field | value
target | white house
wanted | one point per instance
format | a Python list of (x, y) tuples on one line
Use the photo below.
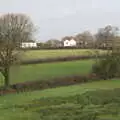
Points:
[(66, 43), (70, 43), (29, 45), (73, 42)]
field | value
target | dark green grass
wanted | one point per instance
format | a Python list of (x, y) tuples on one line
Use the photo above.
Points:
[(64, 103)]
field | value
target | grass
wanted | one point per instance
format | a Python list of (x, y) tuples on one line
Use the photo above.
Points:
[(63, 103), (34, 54), (60, 103), (48, 71), (64, 91)]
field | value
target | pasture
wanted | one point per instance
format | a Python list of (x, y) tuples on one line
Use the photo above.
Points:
[(37, 54), (52, 104), (94, 100), (48, 71)]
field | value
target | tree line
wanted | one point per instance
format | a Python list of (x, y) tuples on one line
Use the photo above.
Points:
[(104, 38)]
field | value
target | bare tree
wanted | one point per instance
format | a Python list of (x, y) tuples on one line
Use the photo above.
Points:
[(106, 36), (53, 43), (14, 29), (83, 38)]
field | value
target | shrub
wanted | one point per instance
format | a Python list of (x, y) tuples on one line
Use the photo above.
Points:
[(107, 67), (60, 59), (53, 83)]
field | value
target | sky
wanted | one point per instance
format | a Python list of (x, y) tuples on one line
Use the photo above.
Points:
[(59, 18)]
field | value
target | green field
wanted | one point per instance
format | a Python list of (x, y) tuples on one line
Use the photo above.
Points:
[(49, 70), (63, 103), (77, 102), (34, 54)]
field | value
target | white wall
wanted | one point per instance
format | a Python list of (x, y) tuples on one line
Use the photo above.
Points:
[(66, 43), (69, 43), (29, 45), (72, 42)]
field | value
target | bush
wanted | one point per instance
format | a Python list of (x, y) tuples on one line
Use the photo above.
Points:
[(53, 83), (108, 67), (60, 59)]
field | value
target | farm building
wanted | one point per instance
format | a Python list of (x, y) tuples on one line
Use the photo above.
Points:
[(29, 45), (70, 43)]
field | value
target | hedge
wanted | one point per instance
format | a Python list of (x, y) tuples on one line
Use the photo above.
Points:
[(56, 82), (59, 59), (55, 48)]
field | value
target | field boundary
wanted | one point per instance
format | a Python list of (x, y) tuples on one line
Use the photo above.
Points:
[(60, 59), (64, 48), (53, 83)]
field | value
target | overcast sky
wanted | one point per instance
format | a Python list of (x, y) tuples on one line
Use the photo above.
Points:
[(58, 18)]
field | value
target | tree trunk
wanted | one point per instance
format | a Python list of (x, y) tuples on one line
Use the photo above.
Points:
[(6, 77)]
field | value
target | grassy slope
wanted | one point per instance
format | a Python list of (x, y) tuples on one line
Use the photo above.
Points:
[(47, 71), (57, 53), (51, 97)]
